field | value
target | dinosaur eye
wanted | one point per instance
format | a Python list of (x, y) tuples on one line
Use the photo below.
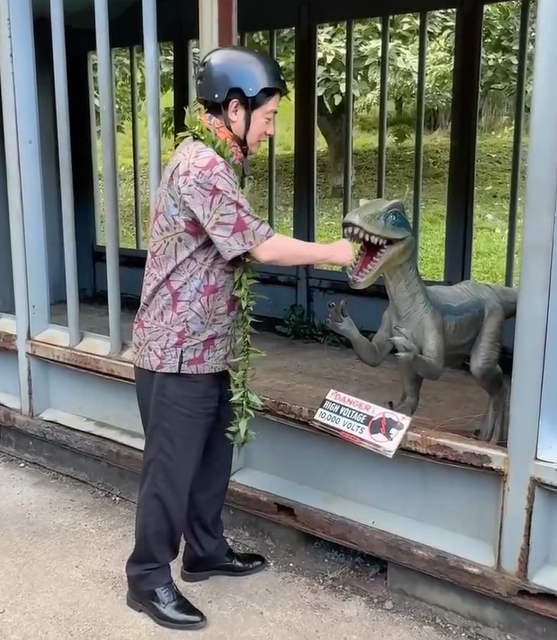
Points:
[(394, 216)]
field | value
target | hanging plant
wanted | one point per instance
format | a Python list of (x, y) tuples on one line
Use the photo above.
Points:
[(245, 402)]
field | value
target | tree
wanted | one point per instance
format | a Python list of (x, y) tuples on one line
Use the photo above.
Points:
[(499, 73)]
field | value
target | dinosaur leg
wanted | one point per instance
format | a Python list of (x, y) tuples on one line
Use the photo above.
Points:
[(411, 387), (484, 366)]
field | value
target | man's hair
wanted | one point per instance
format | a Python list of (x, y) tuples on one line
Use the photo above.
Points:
[(216, 108)]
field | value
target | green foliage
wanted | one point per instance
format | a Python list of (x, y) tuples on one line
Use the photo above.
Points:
[(499, 61), (491, 193), (297, 326), (245, 402), (499, 65)]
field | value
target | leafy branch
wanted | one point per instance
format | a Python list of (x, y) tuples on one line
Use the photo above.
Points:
[(245, 401)]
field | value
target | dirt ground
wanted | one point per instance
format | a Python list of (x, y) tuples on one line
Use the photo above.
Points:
[(302, 373)]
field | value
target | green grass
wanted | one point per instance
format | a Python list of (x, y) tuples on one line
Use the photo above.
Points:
[(491, 204)]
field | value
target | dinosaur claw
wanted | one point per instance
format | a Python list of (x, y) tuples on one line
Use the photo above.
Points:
[(336, 314)]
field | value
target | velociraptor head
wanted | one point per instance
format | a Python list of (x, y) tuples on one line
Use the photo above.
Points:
[(385, 236)]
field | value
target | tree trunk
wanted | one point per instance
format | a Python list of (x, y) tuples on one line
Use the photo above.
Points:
[(399, 109), (332, 126)]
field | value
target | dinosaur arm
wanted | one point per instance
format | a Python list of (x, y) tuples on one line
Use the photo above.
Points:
[(373, 353), (429, 360)]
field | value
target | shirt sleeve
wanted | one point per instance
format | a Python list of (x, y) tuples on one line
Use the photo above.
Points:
[(213, 195)]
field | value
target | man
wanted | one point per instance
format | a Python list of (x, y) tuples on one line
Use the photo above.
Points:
[(183, 333)]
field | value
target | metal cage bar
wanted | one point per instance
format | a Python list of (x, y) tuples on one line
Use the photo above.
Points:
[(110, 184), (517, 141), (305, 143), (348, 119), (383, 104), (65, 163), (135, 148), (191, 72), (31, 164), (152, 90), (272, 151), (94, 155), (459, 229), (420, 123), (15, 204)]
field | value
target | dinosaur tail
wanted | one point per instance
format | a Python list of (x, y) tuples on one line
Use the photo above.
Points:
[(507, 297)]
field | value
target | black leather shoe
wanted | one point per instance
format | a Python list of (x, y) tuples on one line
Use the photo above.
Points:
[(167, 607), (235, 565)]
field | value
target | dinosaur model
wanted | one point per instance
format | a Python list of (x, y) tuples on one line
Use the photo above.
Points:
[(430, 327)]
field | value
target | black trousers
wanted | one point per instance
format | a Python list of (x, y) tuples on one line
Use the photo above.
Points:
[(187, 463)]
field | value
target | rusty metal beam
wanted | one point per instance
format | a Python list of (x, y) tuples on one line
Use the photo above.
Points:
[(373, 541), (7, 341), (426, 442)]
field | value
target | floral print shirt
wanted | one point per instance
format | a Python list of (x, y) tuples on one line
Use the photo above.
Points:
[(201, 225)]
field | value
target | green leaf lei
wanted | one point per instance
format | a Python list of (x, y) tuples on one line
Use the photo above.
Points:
[(244, 401)]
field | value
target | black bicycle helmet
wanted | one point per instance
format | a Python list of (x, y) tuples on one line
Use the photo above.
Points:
[(234, 68)]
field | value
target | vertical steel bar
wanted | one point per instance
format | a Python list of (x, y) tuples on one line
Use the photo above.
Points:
[(208, 26), (517, 141), (15, 205), (420, 122), (110, 184), (65, 162), (181, 77), (459, 226), (192, 71), (94, 138), (244, 39), (31, 164), (535, 285), (272, 157), (383, 104), (135, 149), (348, 118), (305, 139), (152, 90)]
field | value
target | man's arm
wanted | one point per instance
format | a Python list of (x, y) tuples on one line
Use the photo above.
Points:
[(286, 251), (220, 207)]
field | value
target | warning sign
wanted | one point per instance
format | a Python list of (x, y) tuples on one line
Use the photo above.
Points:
[(363, 423)]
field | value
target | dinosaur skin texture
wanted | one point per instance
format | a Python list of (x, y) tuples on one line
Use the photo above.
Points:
[(430, 327)]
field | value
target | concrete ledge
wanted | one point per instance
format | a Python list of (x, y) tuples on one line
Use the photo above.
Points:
[(490, 612)]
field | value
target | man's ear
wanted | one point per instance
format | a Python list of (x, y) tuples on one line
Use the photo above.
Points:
[(234, 109)]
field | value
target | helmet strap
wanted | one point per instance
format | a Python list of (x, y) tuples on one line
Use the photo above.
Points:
[(242, 142)]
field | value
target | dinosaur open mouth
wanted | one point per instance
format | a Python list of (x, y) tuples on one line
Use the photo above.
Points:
[(372, 251)]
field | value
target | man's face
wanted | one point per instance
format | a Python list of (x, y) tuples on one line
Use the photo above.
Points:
[(262, 124)]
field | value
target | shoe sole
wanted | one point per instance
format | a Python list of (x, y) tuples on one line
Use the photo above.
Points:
[(200, 576), (139, 608)]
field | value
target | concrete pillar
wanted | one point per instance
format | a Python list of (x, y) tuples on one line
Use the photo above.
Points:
[(218, 24)]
